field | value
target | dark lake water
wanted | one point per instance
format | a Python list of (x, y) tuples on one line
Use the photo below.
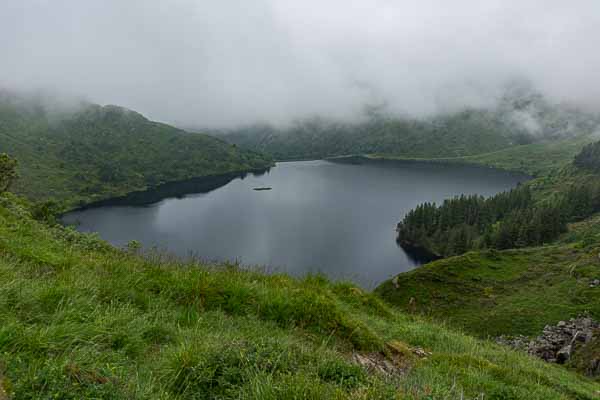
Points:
[(320, 216)]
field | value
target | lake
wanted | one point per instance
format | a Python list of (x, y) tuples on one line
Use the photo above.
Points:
[(336, 218)]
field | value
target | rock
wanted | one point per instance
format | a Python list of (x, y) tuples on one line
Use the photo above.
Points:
[(518, 342), (595, 283), (395, 282), (378, 363), (594, 369), (396, 360), (563, 355), (559, 343), (420, 352)]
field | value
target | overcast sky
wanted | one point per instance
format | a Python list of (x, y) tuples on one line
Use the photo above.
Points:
[(225, 62)]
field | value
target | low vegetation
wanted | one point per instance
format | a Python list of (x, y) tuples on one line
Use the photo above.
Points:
[(491, 293), (81, 319)]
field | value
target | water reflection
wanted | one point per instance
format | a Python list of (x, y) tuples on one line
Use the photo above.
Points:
[(334, 218)]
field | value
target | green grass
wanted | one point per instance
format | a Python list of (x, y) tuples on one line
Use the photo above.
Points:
[(502, 292), (80, 319)]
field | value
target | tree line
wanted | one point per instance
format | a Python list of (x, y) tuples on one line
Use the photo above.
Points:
[(511, 219)]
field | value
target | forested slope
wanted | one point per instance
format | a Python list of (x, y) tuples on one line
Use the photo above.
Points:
[(533, 214), (84, 152), (466, 133), (521, 117)]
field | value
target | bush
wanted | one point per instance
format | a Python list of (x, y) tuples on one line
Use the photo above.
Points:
[(8, 172)]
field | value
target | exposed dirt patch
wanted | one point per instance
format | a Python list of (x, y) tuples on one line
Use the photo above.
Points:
[(396, 360)]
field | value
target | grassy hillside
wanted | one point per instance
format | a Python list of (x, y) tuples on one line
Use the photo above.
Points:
[(80, 319), (503, 292), (517, 291), (535, 159), (86, 152), (488, 292)]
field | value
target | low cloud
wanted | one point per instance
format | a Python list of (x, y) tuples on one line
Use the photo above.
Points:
[(225, 63)]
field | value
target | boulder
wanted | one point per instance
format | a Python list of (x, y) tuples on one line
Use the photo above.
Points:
[(561, 342)]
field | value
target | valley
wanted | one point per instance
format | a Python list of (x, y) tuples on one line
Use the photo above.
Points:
[(299, 200), (147, 322)]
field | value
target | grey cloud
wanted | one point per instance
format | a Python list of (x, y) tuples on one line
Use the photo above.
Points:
[(226, 62)]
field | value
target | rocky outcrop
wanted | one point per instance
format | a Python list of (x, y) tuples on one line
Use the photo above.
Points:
[(561, 342)]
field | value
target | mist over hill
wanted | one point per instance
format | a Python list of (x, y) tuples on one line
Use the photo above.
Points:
[(222, 64), (521, 115)]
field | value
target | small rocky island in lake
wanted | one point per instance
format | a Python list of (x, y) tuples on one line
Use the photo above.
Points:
[(262, 188)]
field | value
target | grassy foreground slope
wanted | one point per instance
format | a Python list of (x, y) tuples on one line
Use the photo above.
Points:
[(80, 319), (86, 152)]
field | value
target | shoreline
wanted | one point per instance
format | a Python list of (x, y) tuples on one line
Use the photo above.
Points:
[(171, 189), (203, 184), (440, 161)]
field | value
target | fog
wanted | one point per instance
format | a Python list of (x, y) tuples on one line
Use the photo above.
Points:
[(224, 63)]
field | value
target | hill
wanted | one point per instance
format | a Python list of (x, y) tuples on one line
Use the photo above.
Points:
[(81, 319), (521, 117), (491, 293), (536, 159), (470, 132), (589, 158), (488, 292), (541, 159), (534, 213), (81, 152)]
